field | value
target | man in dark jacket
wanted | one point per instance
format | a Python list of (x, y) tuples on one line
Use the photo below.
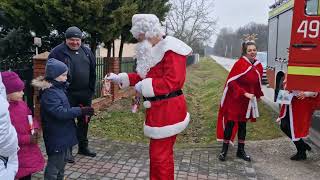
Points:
[(82, 78)]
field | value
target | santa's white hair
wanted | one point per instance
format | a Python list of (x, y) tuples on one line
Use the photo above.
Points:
[(147, 24)]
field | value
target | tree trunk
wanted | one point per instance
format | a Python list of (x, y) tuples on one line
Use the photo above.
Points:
[(113, 49), (109, 47), (121, 49)]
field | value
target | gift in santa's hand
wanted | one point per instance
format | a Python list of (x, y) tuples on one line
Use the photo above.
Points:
[(106, 87)]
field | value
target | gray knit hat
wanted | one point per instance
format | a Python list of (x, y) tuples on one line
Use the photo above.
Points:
[(73, 32)]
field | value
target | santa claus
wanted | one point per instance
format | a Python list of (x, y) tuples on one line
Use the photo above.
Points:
[(161, 73)]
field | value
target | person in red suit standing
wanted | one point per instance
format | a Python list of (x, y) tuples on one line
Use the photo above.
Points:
[(295, 120), (161, 73), (239, 99)]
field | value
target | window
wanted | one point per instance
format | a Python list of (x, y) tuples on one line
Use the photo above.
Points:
[(312, 7)]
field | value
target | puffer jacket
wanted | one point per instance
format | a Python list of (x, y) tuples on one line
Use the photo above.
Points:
[(57, 117)]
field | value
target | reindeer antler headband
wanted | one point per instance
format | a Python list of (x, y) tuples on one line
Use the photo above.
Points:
[(250, 38)]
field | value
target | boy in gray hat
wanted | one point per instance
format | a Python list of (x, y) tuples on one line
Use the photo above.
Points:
[(59, 129)]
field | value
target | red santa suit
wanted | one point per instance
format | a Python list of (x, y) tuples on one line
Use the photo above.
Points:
[(166, 109), (300, 114), (244, 77)]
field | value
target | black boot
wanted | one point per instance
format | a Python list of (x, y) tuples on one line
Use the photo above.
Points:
[(223, 154), (301, 148), (241, 153), (70, 157), (84, 150), (306, 146)]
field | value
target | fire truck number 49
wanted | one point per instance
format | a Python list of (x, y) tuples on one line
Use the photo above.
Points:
[(309, 28)]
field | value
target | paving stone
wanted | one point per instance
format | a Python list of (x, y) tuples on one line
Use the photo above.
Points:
[(74, 175), (120, 160)]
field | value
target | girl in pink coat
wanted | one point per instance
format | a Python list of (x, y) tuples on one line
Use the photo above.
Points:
[(29, 156)]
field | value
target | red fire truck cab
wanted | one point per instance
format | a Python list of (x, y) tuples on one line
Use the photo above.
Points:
[(294, 46)]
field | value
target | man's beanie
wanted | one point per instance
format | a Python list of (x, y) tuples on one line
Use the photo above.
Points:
[(54, 68), (12, 82), (73, 32)]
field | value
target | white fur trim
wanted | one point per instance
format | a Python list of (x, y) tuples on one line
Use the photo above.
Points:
[(310, 94), (293, 136), (167, 44), (147, 89), (238, 76), (231, 79), (147, 104), (124, 80), (166, 131), (252, 108)]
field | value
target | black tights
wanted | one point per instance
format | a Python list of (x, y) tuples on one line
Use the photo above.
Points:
[(242, 131), (26, 177), (285, 124)]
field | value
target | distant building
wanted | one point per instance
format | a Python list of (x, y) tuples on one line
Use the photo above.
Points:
[(128, 50)]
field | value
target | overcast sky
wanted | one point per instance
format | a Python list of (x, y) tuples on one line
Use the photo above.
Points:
[(236, 13)]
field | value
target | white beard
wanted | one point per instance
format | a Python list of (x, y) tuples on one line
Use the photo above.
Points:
[(144, 58)]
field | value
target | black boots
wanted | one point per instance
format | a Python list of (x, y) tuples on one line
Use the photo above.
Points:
[(84, 150), (302, 147), (241, 153), (223, 154)]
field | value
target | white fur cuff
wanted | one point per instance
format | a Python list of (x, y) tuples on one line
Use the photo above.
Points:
[(147, 89), (124, 79)]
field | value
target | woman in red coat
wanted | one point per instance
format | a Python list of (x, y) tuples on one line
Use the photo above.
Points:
[(239, 100)]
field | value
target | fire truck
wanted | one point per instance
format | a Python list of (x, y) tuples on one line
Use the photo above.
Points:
[(294, 48)]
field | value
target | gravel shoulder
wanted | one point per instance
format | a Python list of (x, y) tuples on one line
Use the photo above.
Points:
[(271, 160)]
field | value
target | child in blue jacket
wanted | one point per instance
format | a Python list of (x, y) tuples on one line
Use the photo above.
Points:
[(59, 128)]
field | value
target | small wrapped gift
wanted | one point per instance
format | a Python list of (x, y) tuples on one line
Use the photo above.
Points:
[(106, 87)]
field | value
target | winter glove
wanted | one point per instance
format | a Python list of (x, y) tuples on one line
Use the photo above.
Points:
[(87, 111), (114, 78), (138, 87)]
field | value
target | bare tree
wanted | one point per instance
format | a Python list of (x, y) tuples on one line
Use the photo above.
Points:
[(191, 21), (228, 42)]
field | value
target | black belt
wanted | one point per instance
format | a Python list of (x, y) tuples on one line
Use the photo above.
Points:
[(5, 160), (162, 97)]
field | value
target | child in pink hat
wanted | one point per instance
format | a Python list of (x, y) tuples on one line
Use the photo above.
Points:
[(29, 156)]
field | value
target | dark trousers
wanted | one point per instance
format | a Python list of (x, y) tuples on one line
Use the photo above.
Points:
[(285, 125), (82, 126), (55, 165), (242, 131), (26, 177)]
